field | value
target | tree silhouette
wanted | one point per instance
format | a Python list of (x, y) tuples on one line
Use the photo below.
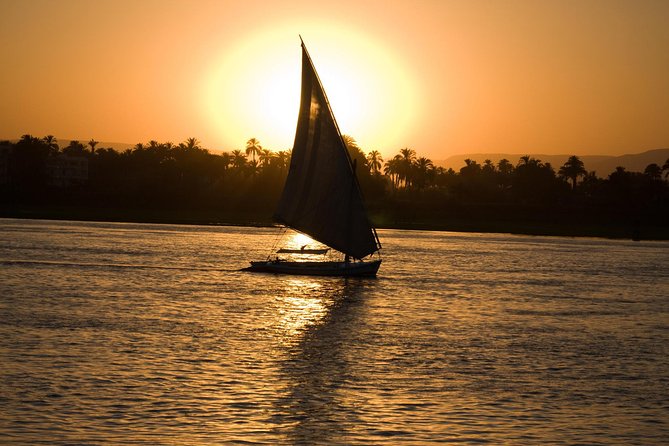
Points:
[(423, 170), (75, 148), (504, 166), (253, 148), (470, 169), (407, 187), (226, 159), (392, 170), (408, 156), (191, 144), (572, 169), (619, 178), (374, 161), (357, 156), (488, 167), (504, 173), (265, 157), (653, 171), (92, 143), (534, 181), (349, 142), (238, 160), (283, 160), (52, 143), (525, 160), (28, 166)]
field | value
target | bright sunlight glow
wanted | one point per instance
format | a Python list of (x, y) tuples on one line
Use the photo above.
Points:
[(253, 90), (298, 240)]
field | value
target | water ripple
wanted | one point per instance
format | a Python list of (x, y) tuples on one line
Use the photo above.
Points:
[(149, 334)]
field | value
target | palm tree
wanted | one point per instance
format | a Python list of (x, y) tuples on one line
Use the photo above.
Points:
[(190, 144), (424, 163), (226, 159), (654, 171), (423, 168), (238, 159), (265, 157), (358, 157), (504, 171), (665, 168), (470, 169), (408, 156), (620, 178), (194, 143), (527, 160), (374, 161), (392, 169), (75, 148), (504, 166), (52, 143), (30, 139), (283, 159), (92, 143), (253, 148), (573, 169), (488, 167)]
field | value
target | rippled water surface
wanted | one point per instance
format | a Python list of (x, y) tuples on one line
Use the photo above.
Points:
[(149, 334)]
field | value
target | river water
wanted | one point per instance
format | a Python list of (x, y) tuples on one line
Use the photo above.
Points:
[(116, 333)]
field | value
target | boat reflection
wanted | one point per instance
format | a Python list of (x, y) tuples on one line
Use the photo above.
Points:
[(316, 364)]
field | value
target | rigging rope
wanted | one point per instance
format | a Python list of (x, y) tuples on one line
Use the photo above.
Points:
[(283, 231)]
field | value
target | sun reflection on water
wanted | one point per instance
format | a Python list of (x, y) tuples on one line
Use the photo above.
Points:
[(297, 240), (301, 305), (298, 247)]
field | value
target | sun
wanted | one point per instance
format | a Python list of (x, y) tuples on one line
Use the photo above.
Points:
[(253, 88)]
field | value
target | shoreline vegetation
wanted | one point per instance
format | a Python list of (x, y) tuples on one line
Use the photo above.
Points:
[(186, 184)]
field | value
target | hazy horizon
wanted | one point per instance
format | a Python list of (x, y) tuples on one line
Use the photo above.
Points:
[(441, 77)]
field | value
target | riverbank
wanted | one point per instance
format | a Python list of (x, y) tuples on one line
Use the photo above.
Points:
[(511, 223)]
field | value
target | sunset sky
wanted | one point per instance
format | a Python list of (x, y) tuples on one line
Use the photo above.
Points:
[(442, 77)]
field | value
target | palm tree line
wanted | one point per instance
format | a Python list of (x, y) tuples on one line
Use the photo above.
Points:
[(256, 173), (238, 159)]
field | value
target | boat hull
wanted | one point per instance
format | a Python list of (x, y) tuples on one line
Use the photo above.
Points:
[(343, 269)]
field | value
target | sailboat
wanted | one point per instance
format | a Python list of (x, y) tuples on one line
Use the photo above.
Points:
[(322, 197)]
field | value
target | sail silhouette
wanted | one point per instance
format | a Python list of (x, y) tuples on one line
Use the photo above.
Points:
[(321, 196)]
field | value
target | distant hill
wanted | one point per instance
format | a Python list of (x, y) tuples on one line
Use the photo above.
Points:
[(603, 165)]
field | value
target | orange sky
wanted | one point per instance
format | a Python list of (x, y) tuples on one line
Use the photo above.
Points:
[(442, 77)]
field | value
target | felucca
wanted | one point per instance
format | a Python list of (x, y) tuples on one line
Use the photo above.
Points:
[(321, 197)]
